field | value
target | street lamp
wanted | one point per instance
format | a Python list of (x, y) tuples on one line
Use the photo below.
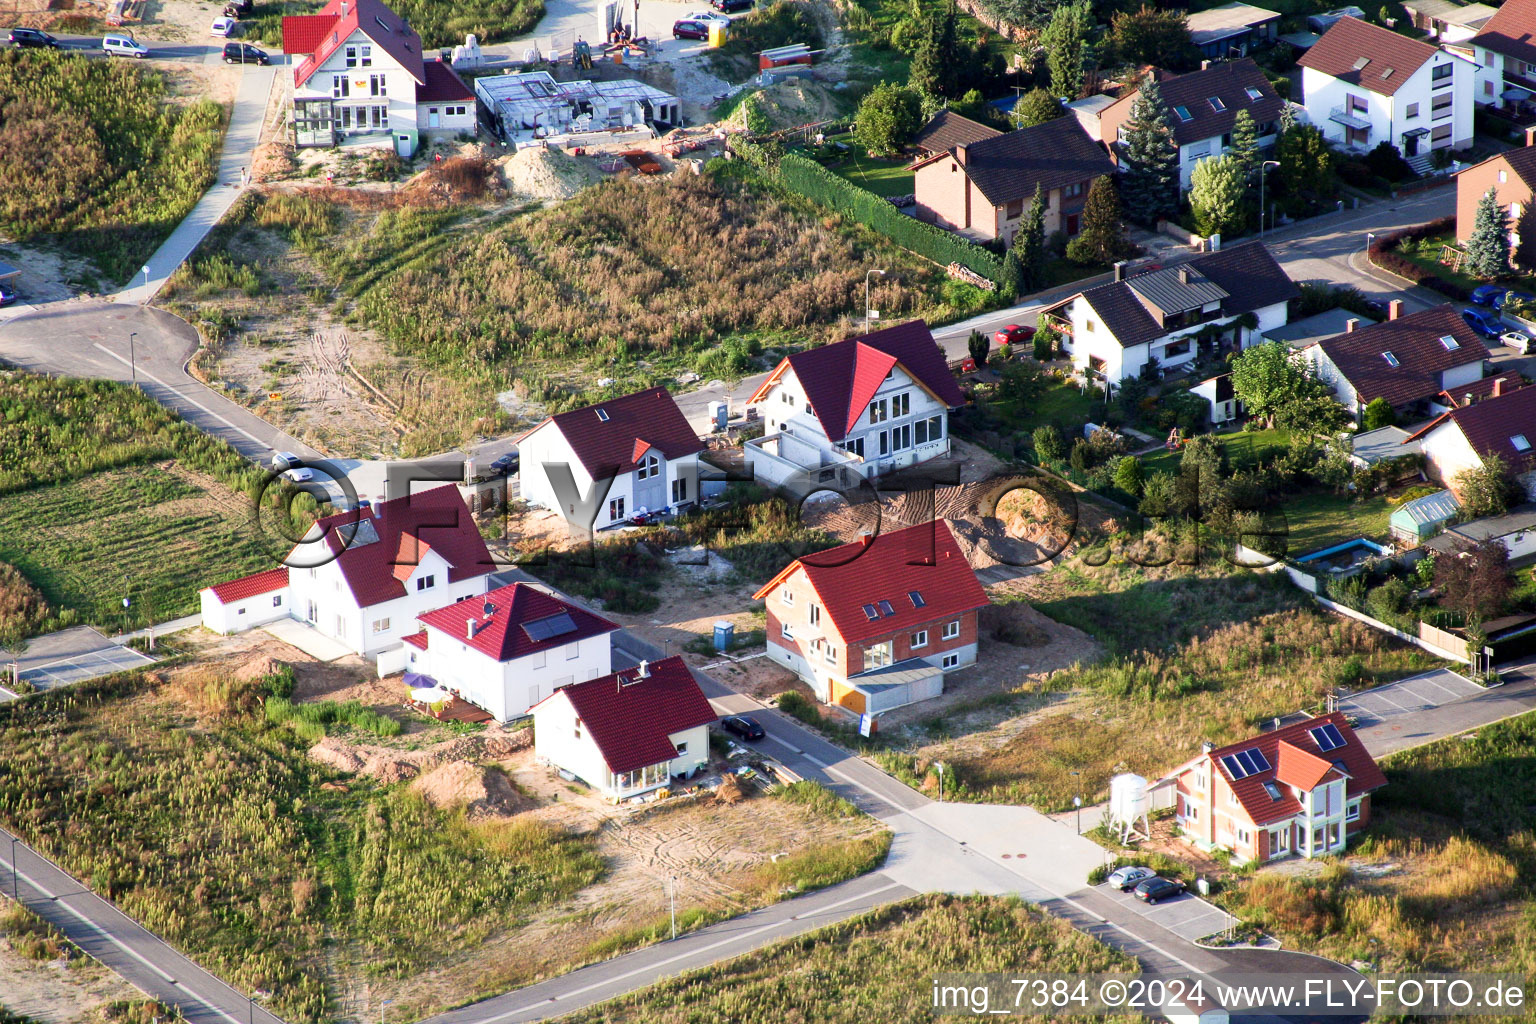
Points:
[(1077, 803), (938, 766), (15, 888), (1265, 166), (1370, 236), (867, 310), (133, 371), (672, 899)]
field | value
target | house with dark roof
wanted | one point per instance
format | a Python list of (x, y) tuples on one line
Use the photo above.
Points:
[(876, 624), (1500, 425), (508, 649), (1449, 21), (947, 129), (603, 464), (1512, 176), (1300, 791), (1202, 107), (360, 75), (1364, 85), (1407, 360), (854, 410), (981, 189), (627, 733), (1505, 51), (1221, 301), (361, 577), (1232, 30)]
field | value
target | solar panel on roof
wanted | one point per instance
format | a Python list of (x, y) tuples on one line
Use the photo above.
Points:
[(549, 627), (1235, 769), (885, 606), (1327, 737), (362, 532)]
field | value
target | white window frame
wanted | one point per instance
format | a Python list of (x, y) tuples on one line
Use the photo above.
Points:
[(951, 630), (381, 625), (879, 655), (787, 597), (830, 655), (920, 639), (1352, 811), (786, 631), (950, 661)]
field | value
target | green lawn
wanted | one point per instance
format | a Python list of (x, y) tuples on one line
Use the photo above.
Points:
[(1064, 405), (1244, 448), (1316, 521), (882, 177)]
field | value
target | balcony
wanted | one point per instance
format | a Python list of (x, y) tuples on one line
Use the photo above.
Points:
[(1060, 325), (1349, 119)]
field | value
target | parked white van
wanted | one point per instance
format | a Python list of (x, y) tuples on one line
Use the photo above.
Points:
[(123, 46)]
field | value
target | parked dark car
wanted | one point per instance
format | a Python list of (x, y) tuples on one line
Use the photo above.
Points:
[(1482, 321), (1505, 298), (245, 53), (1013, 334), (689, 29), (731, 6), (1158, 888), (7, 293), (1484, 294), (507, 464), (33, 37), (741, 725)]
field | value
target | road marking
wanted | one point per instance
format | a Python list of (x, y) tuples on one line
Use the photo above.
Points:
[(652, 968), (185, 397)]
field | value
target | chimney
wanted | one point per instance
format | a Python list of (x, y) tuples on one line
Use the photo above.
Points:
[(1394, 309), (1351, 324), (644, 671), (960, 154), (1498, 387), (1206, 746), (1120, 270), (1466, 399), (1205, 65), (1184, 275), (1530, 136), (469, 629), (865, 537), (343, 8)]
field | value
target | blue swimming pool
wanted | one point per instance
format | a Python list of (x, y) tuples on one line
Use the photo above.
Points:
[(1348, 552)]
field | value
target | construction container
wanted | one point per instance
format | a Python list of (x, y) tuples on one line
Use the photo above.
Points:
[(719, 32)]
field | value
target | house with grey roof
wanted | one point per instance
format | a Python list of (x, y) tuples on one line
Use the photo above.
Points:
[(1231, 30), (1222, 301)]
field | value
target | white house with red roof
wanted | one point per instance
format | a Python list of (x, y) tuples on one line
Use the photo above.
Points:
[(362, 577), (627, 733), (876, 624), (362, 78), (1298, 791), (854, 409), (509, 649), (1501, 425), (601, 464)]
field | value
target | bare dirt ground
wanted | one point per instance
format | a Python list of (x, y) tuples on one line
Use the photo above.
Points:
[(58, 991)]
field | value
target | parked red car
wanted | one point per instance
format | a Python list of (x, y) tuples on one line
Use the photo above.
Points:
[(1013, 334), (689, 29)]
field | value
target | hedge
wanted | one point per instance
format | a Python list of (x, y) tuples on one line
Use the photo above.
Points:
[(1383, 254), (808, 178)]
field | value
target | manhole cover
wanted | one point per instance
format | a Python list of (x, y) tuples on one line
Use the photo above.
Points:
[(1007, 855)]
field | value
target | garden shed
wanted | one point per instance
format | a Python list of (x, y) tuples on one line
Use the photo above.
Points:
[(1416, 521)]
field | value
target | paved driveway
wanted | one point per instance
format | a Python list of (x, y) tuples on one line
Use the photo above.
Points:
[(73, 655), (1406, 696), (307, 639), (1186, 915)]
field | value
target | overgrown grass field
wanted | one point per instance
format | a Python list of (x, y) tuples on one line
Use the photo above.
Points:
[(438, 24), (100, 161)]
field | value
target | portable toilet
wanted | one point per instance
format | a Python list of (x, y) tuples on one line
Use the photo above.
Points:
[(725, 632), (719, 414), (719, 32)]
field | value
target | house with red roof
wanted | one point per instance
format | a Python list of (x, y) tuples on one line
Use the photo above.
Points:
[(627, 733), (602, 464), (508, 649), (854, 409), (1407, 360), (250, 601), (1298, 791), (360, 76), (876, 624), (1501, 425)]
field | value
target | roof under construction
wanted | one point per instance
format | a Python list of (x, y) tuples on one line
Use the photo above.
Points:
[(536, 98)]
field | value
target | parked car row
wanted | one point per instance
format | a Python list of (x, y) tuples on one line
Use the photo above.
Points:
[(1144, 883)]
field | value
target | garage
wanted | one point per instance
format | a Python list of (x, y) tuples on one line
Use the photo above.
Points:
[(891, 686)]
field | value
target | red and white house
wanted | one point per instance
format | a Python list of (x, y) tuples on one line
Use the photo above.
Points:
[(1488, 422), (1298, 791), (509, 649), (876, 624), (361, 578), (363, 79), (627, 733)]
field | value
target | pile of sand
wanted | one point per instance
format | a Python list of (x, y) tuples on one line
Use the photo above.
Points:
[(986, 542), (389, 769), (484, 792), (506, 744), (336, 754), (548, 173), (258, 668)]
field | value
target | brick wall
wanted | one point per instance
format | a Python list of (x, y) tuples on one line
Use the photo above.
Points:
[(901, 647)]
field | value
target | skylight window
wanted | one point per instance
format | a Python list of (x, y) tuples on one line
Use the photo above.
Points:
[(917, 598), (1273, 790), (885, 606), (1387, 73), (1390, 358), (871, 613), (1184, 114), (1520, 443), (602, 414), (1254, 94), (1361, 62), (1217, 105), (1450, 343), (1327, 737)]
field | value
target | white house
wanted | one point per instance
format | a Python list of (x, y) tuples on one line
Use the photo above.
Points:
[(627, 733), (601, 464), (1217, 302), (854, 409), (1225, 406), (363, 79), (1505, 52), (509, 649), (361, 579), (1502, 425), (250, 601), (1407, 360), (1364, 85)]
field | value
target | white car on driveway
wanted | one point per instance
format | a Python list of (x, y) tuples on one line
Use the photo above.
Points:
[(301, 475), (223, 26), (114, 45), (1516, 340), (1129, 877)]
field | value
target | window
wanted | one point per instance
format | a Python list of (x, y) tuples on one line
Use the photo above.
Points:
[(916, 596), (351, 56), (786, 398), (616, 509), (1072, 191), (680, 489), (1184, 114), (951, 629), (381, 625), (886, 608), (787, 597), (426, 582), (1358, 105), (367, 56), (1440, 137), (339, 87), (1442, 73), (602, 416), (853, 446), (1176, 348), (1317, 838), (815, 643), (920, 639), (573, 651), (1088, 326), (930, 429), (950, 661), (877, 655), (885, 442), (871, 612), (1254, 94), (649, 468), (1200, 781), (577, 730), (1390, 358), (1279, 840), (877, 411), (813, 614), (785, 631), (1014, 210), (378, 85), (830, 655), (901, 405), (1488, 91), (1242, 835), (240, 611), (1197, 150), (1450, 343), (1412, 111), (1520, 443), (682, 748), (1352, 811), (1503, 175), (901, 437), (1441, 106), (1217, 105), (1231, 798)]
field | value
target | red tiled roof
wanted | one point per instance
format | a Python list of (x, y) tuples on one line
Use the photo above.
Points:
[(630, 720), (1511, 31), (947, 129), (839, 379), (303, 33), (1393, 58), (383, 27), (503, 635), (416, 639), (437, 518), (1481, 390), (1414, 341), (1491, 425), (1302, 763), (606, 447), (922, 558), (249, 586), (443, 85)]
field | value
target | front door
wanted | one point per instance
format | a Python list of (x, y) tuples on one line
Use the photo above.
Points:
[(432, 118), (1410, 145), (311, 616)]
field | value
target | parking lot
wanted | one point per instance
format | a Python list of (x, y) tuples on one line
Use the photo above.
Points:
[(1186, 915), (72, 655), (1416, 693)]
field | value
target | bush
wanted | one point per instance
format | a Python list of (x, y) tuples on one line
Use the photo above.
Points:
[(1388, 601), (309, 720), (1385, 161), (797, 705), (1049, 445)]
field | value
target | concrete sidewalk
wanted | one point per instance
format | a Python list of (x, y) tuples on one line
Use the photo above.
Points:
[(239, 153)]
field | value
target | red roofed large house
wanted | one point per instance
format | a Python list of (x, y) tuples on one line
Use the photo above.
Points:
[(854, 409), (1503, 424), (1505, 51), (600, 465), (627, 733), (509, 649), (1298, 791), (362, 577), (360, 76), (876, 624)]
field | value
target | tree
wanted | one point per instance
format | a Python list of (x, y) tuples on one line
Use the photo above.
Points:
[(978, 345), (1152, 36), (1151, 158), (1022, 384), (1065, 39), (1046, 340), (1488, 245), (1029, 242), (1036, 107), (936, 61), (887, 118), (1273, 383), (1378, 413), (1049, 444), (1102, 239), (975, 106), (1129, 475), (1245, 141), (1216, 190), (1015, 278), (1306, 160), (1476, 580), (1484, 489), (1287, 118)]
